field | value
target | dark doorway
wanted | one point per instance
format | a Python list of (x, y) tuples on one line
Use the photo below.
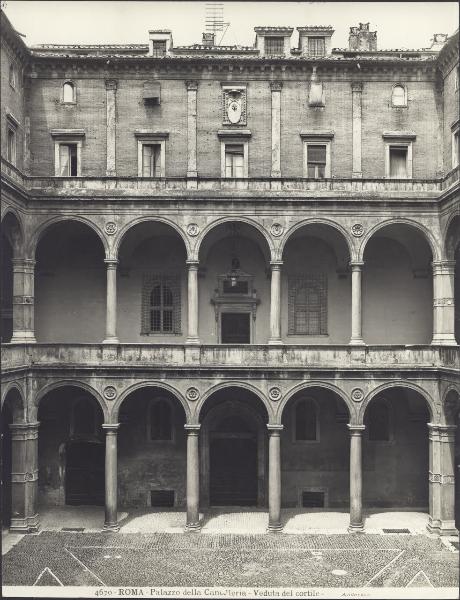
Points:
[(6, 467), (84, 483), (235, 328)]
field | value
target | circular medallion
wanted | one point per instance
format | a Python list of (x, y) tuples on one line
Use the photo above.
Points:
[(110, 393), (357, 230), (357, 394), (28, 476), (276, 229), (192, 394), (274, 394), (110, 228), (193, 229)]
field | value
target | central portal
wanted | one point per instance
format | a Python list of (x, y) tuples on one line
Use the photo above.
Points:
[(236, 328)]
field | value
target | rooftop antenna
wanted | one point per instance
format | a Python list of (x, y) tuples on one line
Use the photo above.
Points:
[(215, 19)]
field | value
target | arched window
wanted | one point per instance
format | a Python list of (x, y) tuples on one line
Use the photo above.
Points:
[(398, 97), (378, 421), (160, 420), (12, 76), (161, 305), (306, 420), (68, 92)]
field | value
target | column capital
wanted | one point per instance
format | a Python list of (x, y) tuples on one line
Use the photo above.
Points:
[(192, 264), (276, 264), (192, 428), (356, 264), (274, 428), (448, 266), (111, 84), (356, 429), (23, 262), (24, 431), (276, 86), (357, 86), (111, 428), (111, 263), (191, 85)]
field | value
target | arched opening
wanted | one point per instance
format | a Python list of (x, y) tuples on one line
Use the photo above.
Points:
[(68, 92), (452, 409), (397, 289), (11, 247), (152, 285), (234, 458), (398, 95), (235, 291), (152, 450), (453, 253), (70, 280), (7, 419), (316, 287), (315, 450), (395, 451), (71, 449)]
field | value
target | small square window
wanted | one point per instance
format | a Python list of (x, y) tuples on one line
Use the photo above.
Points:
[(158, 48), (274, 46), (398, 162), (316, 46)]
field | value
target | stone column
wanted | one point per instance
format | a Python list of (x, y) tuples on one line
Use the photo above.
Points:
[(193, 479), (192, 87), (356, 93), (356, 481), (275, 303), (23, 300), (111, 487), (24, 477), (274, 479), (444, 303), (275, 87), (441, 479), (356, 311), (111, 107), (192, 335), (111, 304)]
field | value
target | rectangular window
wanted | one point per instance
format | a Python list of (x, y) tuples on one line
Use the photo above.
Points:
[(11, 145), (307, 306), (316, 46), (234, 160), (316, 161), (274, 46), (455, 149), (161, 305), (158, 48), (68, 160), (398, 162), (151, 160)]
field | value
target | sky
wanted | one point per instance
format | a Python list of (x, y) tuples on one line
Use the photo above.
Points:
[(398, 24)]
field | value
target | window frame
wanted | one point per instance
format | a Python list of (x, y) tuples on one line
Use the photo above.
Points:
[(455, 128), (234, 137), (294, 438), (404, 88), (402, 140), (149, 281), (293, 286), (271, 38), (12, 76), (151, 403), (146, 138), (74, 92), (67, 137), (11, 130), (315, 139), (316, 38)]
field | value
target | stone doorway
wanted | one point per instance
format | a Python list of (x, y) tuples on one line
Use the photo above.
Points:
[(84, 482), (236, 328)]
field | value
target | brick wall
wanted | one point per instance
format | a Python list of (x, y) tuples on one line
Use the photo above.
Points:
[(451, 114)]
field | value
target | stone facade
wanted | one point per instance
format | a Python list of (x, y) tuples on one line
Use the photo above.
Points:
[(230, 251)]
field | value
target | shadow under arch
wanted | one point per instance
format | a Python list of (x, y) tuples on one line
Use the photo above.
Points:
[(43, 229), (13, 228), (316, 384), (115, 411), (146, 219), (397, 384), (429, 238), (71, 383), (13, 399), (236, 219), (451, 236), (312, 221)]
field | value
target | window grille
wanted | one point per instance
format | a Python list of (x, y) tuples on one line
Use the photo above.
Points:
[(158, 48), (398, 162), (305, 420), (316, 161), (307, 310), (161, 304), (234, 160), (316, 46), (160, 420), (274, 46), (151, 160)]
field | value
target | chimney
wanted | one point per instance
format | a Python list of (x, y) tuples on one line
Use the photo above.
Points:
[(361, 39), (208, 39), (438, 41)]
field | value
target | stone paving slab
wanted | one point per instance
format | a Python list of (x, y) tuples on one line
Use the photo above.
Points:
[(275, 560)]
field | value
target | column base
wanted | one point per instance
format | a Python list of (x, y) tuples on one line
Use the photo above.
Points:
[(25, 524), (356, 342), (111, 528), (442, 527), (274, 528), (193, 527), (275, 342), (111, 340), (110, 173), (444, 340), (23, 337), (357, 175), (195, 341), (356, 528)]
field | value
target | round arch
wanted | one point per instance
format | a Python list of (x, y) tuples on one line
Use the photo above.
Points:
[(233, 384), (450, 243), (145, 219), (18, 243), (71, 383), (318, 221), (312, 384), (42, 229), (397, 384), (113, 417), (435, 251), (17, 405), (235, 219)]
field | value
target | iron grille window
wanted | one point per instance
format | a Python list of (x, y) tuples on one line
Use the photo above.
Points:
[(316, 46), (305, 420), (161, 304), (158, 48), (316, 161), (160, 421), (307, 311), (274, 46)]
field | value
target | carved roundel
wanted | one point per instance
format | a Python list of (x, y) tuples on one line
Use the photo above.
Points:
[(357, 394), (276, 229), (110, 228), (28, 476), (192, 394), (193, 229), (357, 230), (274, 394), (110, 393)]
